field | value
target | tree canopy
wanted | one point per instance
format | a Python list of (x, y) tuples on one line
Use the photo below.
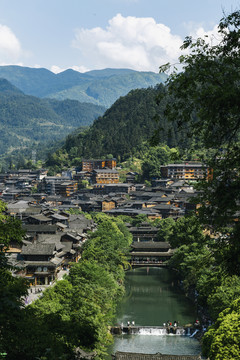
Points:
[(205, 96)]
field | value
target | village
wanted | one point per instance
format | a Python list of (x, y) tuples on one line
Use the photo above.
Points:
[(53, 211)]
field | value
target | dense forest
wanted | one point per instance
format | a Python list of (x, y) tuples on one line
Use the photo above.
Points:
[(124, 130), (26, 121)]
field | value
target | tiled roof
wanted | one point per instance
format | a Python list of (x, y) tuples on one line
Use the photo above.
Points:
[(150, 245), (137, 356), (38, 249)]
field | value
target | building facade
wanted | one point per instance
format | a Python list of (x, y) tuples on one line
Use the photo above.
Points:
[(90, 165), (186, 171)]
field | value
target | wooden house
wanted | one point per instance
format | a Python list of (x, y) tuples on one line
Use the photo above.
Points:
[(41, 263), (90, 165), (105, 176)]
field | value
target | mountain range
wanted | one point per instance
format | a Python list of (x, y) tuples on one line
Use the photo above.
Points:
[(26, 121), (124, 131), (99, 87)]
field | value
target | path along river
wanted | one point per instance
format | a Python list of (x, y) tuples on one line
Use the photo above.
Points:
[(153, 298)]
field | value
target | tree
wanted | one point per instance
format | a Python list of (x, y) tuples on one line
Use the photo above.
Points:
[(154, 158), (205, 95), (191, 261), (221, 342), (224, 295), (186, 231), (12, 289), (166, 228)]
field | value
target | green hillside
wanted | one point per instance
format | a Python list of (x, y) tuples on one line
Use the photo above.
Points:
[(100, 87), (124, 130), (26, 120)]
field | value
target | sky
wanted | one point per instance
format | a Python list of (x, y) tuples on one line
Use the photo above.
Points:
[(97, 34)]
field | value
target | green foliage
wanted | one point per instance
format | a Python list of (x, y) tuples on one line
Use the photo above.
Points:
[(190, 261), (11, 230), (186, 231), (137, 220), (205, 96), (12, 289), (78, 310), (109, 245), (25, 121), (126, 128), (154, 158), (225, 293), (166, 229), (74, 211), (221, 342), (208, 281)]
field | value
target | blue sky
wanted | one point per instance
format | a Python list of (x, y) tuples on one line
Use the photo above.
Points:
[(96, 34)]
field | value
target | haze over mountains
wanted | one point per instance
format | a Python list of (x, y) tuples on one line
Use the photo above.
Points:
[(100, 87)]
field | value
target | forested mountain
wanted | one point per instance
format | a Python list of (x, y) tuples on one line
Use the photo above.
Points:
[(26, 120), (124, 129), (101, 87)]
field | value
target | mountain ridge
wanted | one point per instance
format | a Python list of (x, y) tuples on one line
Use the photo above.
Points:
[(124, 131), (100, 87), (26, 120)]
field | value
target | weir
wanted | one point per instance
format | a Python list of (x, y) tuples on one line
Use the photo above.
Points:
[(154, 330)]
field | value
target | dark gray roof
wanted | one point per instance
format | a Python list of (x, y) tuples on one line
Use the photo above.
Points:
[(39, 249), (137, 356), (143, 229), (49, 238), (40, 228), (190, 165), (165, 207), (105, 171), (119, 185), (150, 245), (59, 217), (40, 217), (51, 263)]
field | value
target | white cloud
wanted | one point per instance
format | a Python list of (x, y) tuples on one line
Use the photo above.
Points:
[(10, 47), (129, 42), (56, 69), (196, 30), (211, 36)]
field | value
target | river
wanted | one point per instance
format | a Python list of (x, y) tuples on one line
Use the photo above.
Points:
[(153, 298)]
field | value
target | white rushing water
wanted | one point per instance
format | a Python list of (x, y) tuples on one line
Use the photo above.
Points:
[(152, 331)]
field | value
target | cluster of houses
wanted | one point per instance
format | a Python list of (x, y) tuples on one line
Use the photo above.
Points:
[(54, 237)]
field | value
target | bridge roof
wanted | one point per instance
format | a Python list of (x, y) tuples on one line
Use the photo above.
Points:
[(138, 356), (149, 254), (150, 245)]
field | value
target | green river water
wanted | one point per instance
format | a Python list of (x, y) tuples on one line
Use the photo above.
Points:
[(153, 298)]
